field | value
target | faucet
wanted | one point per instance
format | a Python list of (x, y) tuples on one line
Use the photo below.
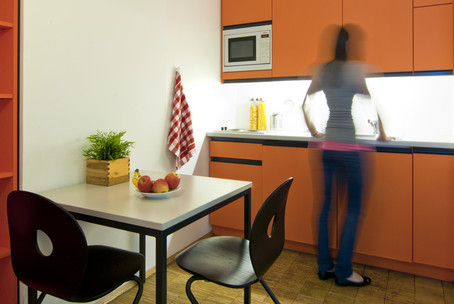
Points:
[(374, 124)]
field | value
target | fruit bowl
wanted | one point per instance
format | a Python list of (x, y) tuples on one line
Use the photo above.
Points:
[(158, 195)]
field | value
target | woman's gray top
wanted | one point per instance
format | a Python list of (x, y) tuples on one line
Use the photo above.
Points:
[(340, 81)]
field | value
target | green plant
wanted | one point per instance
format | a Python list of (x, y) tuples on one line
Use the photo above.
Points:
[(108, 146)]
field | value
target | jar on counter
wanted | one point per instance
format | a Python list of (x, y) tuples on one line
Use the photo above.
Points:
[(261, 114), (253, 115)]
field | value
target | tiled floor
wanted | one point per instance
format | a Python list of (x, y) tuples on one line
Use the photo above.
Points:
[(293, 279)]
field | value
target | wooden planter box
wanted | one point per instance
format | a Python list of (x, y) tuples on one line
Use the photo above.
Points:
[(107, 172)]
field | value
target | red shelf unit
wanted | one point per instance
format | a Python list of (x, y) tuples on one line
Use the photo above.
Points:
[(8, 138)]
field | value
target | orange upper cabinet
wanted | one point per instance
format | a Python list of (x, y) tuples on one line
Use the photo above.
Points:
[(433, 36), (245, 11), (297, 29), (388, 26)]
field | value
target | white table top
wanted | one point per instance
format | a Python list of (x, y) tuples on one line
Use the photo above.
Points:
[(123, 204)]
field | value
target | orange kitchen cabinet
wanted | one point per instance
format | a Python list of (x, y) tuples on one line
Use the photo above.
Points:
[(8, 138), (385, 227), (388, 26), (305, 196), (297, 30), (239, 161), (433, 37), (433, 210), (245, 11), (226, 76)]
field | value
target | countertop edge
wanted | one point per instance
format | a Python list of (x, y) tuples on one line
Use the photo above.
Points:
[(303, 141)]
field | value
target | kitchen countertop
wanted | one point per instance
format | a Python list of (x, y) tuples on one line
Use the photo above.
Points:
[(305, 137)]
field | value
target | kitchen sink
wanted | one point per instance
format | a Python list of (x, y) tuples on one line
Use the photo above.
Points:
[(243, 131)]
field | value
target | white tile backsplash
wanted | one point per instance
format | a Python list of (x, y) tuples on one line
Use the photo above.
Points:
[(419, 108)]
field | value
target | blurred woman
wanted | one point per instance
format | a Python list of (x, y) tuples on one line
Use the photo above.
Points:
[(340, 80)]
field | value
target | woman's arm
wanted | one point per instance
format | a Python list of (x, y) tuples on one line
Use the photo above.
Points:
[(314, 87), (381, 132), (309, 123)]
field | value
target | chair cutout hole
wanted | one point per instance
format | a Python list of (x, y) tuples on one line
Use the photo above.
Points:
[(44, 243), (271, 227)]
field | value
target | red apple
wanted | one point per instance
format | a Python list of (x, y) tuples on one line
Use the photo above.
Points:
[(145, 183), (159, 186), (173, 179)]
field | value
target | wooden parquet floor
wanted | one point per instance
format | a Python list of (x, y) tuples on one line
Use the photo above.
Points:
[(293, 279)]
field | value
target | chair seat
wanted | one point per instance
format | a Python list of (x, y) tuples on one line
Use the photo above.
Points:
[(107, 269), (224, 260)]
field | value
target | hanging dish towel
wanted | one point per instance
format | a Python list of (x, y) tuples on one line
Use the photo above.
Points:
[(181, 140)]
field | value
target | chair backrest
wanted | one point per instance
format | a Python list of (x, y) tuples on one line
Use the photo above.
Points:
[(59, 273), (268, 231)]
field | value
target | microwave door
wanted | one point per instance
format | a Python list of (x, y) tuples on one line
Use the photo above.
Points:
[(242, 50)]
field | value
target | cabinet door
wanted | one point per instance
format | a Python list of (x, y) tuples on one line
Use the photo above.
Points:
[(245, 11), (297, 30), (232, 215), (433, 210), (305, 196), (433, 35), (388, 26), (385, 227)]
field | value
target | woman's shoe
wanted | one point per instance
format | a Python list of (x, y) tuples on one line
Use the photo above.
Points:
[(325, 275), (344, 282)]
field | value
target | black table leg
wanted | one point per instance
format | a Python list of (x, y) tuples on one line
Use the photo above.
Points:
[(247, 231), (142, 271), (32, 295), (161, 268)]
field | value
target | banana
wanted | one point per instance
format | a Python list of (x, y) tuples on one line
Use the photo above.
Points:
[(135, 177)]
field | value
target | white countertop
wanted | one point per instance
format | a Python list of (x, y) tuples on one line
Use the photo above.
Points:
[(123, 204), (306, 137)]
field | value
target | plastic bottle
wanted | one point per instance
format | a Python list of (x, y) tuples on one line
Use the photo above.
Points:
[(253, 115), (261, 114)]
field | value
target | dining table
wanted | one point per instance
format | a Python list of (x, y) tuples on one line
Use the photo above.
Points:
[(123, 207)]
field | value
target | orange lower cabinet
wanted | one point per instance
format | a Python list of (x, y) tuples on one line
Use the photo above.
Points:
[(303, 164), (229, 219), (385, 227), (434, 210)]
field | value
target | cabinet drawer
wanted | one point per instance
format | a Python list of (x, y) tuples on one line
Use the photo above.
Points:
[(235, 150)]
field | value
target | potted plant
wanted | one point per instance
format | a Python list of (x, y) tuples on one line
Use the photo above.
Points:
[(107, 156)]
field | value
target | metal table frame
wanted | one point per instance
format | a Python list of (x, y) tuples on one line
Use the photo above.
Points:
[(161, 241)]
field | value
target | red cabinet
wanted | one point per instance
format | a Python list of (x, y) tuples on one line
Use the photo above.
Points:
[(433, 36), (8, 138)]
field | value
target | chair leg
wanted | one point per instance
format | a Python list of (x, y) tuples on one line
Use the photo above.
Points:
[(40, 298), (268, 290), (189, 293), (140, 291)]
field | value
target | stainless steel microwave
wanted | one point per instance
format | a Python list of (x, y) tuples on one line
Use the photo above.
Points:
[(247, 48)]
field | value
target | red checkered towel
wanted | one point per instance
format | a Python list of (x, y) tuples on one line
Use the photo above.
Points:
[(180, 139)]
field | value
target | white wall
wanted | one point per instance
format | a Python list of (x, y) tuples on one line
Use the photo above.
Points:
[(91, 65)]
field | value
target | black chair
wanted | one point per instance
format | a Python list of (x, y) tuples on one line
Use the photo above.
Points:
[(235, 262), (72, 271)]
